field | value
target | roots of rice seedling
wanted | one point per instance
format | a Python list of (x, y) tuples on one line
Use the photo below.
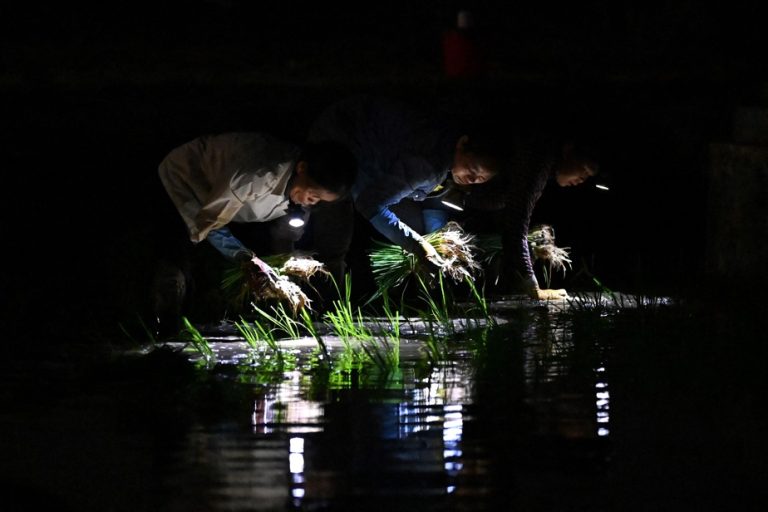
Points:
[(541, 240), (456, 249), (391, 265), (250, 280)]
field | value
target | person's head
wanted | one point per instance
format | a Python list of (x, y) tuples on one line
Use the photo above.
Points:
[(325, 171), (476, 159), (577, 165)]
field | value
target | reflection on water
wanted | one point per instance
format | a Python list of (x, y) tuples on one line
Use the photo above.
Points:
[(603, 403), (559, 376), (511, 414), (593, 411), (413, 445)]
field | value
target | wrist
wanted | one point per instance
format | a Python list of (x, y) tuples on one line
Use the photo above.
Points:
[(243, 256), (531, 287)]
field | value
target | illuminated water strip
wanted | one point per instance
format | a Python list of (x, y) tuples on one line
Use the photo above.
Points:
[(296, 467), (603, 402)]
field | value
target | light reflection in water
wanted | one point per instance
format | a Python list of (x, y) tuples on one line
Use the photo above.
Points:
[(435, 405), (554, 388), (284, 406), (603, 399), (296, 467), (421, 423)]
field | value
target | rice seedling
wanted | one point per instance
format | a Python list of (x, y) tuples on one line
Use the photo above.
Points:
[(192, 336), (481, 303), (384, 348), (435, 347), (438, 312), (257, 335), (281, 319), (309, 324), (362, 346), (385, 356), (457, 250), (149, 333), (392, 266), (266, 352), (394, 320), (541, 244), (348, 324), (280, 280)]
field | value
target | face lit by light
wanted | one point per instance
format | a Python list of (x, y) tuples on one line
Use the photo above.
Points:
[(572, 173), (305, 191), (467, 168)]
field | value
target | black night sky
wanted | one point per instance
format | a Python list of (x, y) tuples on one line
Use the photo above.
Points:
[(94, 96)]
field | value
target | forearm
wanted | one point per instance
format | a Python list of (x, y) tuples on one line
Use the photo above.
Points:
[(227, 244), (389, 225)]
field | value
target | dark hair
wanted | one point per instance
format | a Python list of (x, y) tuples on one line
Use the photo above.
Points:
[(331, 165), (585, 150), (489, 143)]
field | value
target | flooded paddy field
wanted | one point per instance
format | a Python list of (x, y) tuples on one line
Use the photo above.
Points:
[(563, 406)]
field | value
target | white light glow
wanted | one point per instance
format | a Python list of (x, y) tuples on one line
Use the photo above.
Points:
[(454, 206), (602, 187), (296, 463), (296, 222), (296, 445)]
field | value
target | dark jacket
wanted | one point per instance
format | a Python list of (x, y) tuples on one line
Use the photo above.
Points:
[(516, 192), (401, 153)]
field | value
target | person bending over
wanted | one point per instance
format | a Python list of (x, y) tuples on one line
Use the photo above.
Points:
[(218, 186), (404, 155)]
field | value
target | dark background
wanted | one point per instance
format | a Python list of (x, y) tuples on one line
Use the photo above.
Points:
[(93, 97)]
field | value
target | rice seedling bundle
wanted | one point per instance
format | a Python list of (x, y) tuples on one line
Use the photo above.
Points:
[(391, 265), (276, 281), (541, 243)]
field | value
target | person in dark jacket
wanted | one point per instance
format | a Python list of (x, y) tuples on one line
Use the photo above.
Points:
[(403, 156), (536, 160)]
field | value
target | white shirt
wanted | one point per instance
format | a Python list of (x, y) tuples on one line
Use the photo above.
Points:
[(216, 179)]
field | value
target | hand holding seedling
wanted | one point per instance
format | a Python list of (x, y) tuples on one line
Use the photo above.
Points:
[(431, 254), (262, 268), (551, 294)]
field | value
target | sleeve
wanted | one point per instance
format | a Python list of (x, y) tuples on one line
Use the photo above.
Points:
[(517, 216), (227, 244), (490, 196), (374, 201), (522, 196), (218, 210), (187, 173), (389, 225)]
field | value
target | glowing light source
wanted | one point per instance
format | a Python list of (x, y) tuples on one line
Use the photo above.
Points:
[(453, 198), (295, 215)]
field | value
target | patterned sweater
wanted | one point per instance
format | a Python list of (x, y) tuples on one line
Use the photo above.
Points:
[(516, 192)]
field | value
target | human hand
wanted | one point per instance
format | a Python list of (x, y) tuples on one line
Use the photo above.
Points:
[(429, 263), (551, 294), (258, 274), (431, 254), (256, 264)]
